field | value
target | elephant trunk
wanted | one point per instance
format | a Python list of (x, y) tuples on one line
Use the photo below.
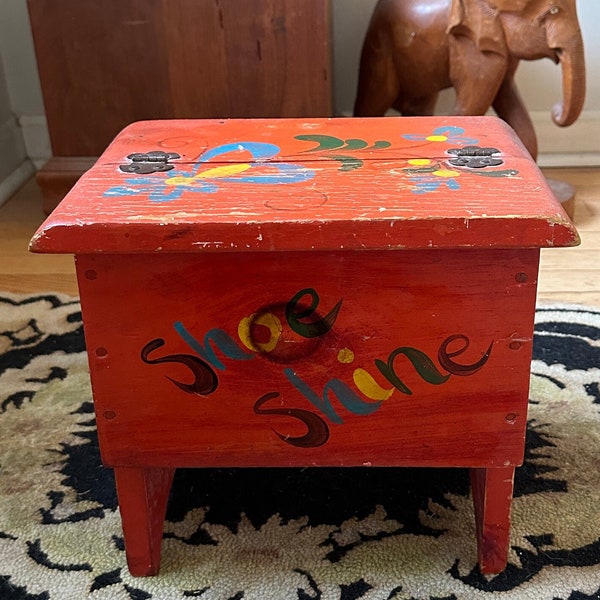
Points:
[(573, 75)]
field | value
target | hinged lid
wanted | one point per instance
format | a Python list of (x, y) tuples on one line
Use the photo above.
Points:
[(324, 184)]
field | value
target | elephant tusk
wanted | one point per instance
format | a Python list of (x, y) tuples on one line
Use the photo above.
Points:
[(557, 112)]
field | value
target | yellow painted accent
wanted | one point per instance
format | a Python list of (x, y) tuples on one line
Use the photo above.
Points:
[(420, 162), (268, 320), (369, 387), (446, 173), (181, 180), (436, 138), (345, 356), (244, 333), (224, 170)]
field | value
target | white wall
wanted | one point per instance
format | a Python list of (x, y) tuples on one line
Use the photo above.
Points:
[(539, 81), (12, 149), (20, 65), (15, 166)]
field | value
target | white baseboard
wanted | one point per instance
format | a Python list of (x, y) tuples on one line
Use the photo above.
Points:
[(15, 167), (37, 139), (10, 184), (12, 146), (574, 146)]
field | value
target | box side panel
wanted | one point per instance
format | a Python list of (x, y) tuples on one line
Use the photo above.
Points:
[(372, 358)]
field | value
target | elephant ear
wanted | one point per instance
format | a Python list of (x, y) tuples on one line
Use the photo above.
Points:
[(478, 21)]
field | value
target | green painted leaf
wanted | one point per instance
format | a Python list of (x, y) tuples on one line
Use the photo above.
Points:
[(325, 142), (355, 144), (504, 173), (412, 171), (380, 145), (349, 163)]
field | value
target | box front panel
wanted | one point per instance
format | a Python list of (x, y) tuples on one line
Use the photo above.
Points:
[(347, 358)]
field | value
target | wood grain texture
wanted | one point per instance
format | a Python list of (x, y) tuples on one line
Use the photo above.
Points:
[(266, 58), (19, 218), (105, 65), (100, 68), (572, 274), (325, 184)]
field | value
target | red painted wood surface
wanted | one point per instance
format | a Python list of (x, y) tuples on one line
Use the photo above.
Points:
[(410, 300), (492, 491), (336, 292), (143, 496), (268, 185)]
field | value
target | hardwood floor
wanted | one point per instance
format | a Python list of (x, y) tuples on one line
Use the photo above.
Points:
[(566, 275), (573, 274), (21, 271)]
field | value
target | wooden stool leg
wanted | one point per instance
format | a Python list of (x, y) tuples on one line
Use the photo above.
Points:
[(143, 496), (492, 496)]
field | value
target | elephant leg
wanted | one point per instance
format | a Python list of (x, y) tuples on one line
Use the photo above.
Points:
[(476, 76), (510, 107), (378, 84), (417, 107)]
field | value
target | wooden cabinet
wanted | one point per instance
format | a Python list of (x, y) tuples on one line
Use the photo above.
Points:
[(106, 64)]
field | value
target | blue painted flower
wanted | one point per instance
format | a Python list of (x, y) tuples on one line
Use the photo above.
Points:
[(428, 175), (447, 133), (205, 178), (431, 183)]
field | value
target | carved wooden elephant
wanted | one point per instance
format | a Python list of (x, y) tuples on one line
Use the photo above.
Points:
[(415, 48)]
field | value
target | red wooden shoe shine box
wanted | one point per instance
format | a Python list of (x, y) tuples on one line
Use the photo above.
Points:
[(287, 293)]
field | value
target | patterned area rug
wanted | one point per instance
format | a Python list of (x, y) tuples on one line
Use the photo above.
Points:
[(327, 534)]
